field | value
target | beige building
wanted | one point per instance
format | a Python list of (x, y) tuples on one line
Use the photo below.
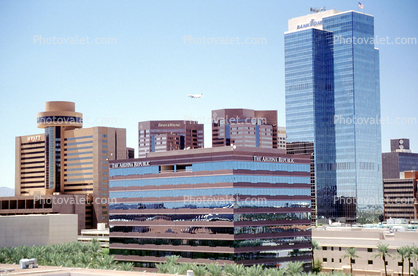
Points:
[(335, 240), (68, 159), (37, 229)]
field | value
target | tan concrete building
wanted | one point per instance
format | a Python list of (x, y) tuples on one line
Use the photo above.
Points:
[(37, 229), (68, 159), (46, 204), (335, 240)]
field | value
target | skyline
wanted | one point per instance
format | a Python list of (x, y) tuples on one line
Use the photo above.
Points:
[(151, 69)]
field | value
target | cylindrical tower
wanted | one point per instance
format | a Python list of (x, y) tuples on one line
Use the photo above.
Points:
[(60, 114), (57, 117)]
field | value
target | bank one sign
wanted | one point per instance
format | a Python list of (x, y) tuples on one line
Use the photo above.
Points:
[(312, 23)]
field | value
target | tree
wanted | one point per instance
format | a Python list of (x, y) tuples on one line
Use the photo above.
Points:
[(214, 269), (383, 252), (351, 254), (315, 246), (317, 266), (234, 270), (274, 272), (402, 254), (294, 268), (254, 270)]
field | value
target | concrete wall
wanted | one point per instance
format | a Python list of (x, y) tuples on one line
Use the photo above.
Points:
[(37, 229)]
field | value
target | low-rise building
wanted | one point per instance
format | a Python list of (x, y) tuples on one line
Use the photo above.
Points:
[(37, 229), (46, 204), (334, 241)]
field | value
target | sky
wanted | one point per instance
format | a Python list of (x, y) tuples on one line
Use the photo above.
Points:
[(145, 57)]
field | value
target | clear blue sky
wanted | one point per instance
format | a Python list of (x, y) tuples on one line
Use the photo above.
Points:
[(148, 73)]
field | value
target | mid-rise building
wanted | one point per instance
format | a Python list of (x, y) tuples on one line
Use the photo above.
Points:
[(68, 159), (332, 97), (246, 128), (157, 136), (231, 204), (399, 159), (401, 197)]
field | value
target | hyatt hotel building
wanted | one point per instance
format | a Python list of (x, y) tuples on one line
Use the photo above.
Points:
[(229, 204), (68, 159)]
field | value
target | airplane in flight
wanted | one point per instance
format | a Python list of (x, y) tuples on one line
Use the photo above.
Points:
[(196, 96)]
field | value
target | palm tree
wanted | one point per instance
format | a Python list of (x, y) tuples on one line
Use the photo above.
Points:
[(317, 266), (294, 268), (255, 270), (214, 269), (414, 254), (274, 272), (382, 252), (234, 270), (315, 246), (415, 272), (402, 252), (351, 254)]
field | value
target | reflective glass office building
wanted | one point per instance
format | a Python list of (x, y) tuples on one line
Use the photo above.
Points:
[(333, 101), (225, 204)]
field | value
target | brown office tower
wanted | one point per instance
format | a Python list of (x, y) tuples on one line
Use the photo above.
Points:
[(401, 197), (68, 159), (245, 127), (160, 136)]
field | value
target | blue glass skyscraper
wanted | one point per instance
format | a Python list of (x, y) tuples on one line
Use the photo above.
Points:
[(333, 102)]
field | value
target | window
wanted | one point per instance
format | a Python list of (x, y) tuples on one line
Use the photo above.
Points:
[(353, 261), (339, 249), (400, 264), (332, 260), (104, 135), (104, 151), (340, 260), (332, 248), (324, 260), (386, 263), (369, 249), (324, 248), (104, 213), (370, 262)]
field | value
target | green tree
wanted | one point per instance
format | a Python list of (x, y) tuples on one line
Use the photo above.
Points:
[(383, 252), (293, 268), (255, 270), (214, 269), (317, 266), (234, 270), (402, 253), (315, 246), (351, 254), (274, 272)]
